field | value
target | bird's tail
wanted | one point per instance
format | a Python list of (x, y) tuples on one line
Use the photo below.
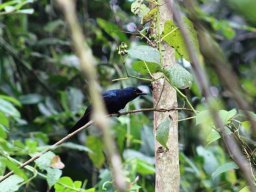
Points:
[(85, 119)]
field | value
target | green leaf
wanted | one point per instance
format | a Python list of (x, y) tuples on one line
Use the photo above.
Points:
[(139, 8), (213, 136), (226, 116), (179, 76), (140, 67), (8, 108), (162, 132), (75, 97), (112, 30), (245, 8), (245, 189), (224, 168), (144, 168), (15, 168), (44, 161), (145, 53), (4, 120), (210, 162), (30, 99), (52, 26), (11, 184), (53, 176), (64, 181), (173, 37), (11, 99), (96, 145), (66, 184)]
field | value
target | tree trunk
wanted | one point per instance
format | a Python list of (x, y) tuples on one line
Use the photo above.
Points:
[(167, 161)]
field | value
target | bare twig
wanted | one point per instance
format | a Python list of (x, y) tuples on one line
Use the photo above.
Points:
[(229, 140), (82, 128), (46, 150)]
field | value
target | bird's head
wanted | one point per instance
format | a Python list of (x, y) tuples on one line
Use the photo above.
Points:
[(135, 91)]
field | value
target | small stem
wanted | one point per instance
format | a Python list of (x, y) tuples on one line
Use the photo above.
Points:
[(193, 117)]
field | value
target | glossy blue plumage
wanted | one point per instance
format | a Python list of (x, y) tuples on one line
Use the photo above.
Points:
[(114, 100)]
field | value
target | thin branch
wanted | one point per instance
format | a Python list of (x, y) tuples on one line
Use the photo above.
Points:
[(84, 127), (46, 150)]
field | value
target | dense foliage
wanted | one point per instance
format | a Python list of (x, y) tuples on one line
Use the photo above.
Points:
[(43, 93)]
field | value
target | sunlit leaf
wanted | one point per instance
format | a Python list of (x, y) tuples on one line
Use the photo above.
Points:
[(213, 136), (141, 67), (179, 76), (30, 99), (145, 53), (7, 108), (224, 168), (172, 35), (96, 145), (53, 176), (11, 184), (162, 132), (112, 29)]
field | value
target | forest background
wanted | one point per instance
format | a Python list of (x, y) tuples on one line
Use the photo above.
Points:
[(43, 93)]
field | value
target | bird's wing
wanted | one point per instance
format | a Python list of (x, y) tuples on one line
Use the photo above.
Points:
[(109, 94)]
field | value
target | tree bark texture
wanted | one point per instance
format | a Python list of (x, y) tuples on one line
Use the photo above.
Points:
[(164, 96)]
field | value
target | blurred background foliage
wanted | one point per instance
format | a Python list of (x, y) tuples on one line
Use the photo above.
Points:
[(42, 94)]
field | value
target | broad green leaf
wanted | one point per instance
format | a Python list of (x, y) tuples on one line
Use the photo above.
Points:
[(112, 30), (60, 186), (75, 97), (141, 67), (7, 108), (3, 132), (204, 117), (162, 132), (15, 168), (53, 176), (66, 184), (226, 116), (173, 37), (11, 184), (210, 161), (130, 154), (245, 189), (11, 99), (30, 99), (54, 25), (31, 145), (140, 9), (150, 15), (44, 161), (224, 168), (213, 136), (145, 53), (246, 8), (179, 76), (144, 168), (97, 155), (4, 120)]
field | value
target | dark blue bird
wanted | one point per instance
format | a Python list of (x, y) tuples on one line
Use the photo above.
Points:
[(114, 100)]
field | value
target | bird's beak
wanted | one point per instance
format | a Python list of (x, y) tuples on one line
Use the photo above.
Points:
[(142, 93)]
